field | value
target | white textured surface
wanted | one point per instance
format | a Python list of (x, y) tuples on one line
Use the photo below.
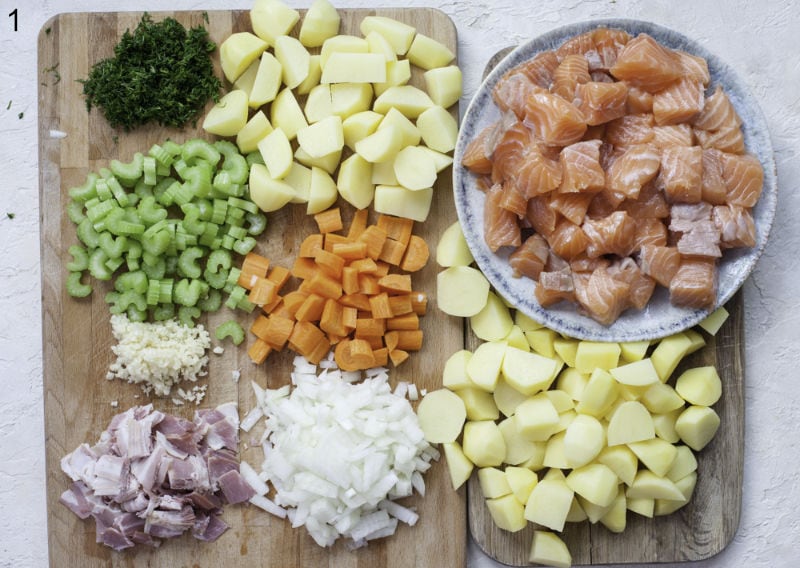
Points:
[(760, 39)]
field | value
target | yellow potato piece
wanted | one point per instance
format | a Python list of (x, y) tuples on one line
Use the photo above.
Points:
[(483, 443), (380, 146), (401, 202), (444, 85), (272, 18), (267, 81), (360, 125), (342, 44), (454, 375), (414, 168), (380, 45), (313, 77), (319, 104), (320, 22), (398, 34), (484, 366), (441, 415), (398, 73), (630, 423), (427, 53), (350, 98), (299, 177), (294, 59), (276, 150), (286, 114), (354, 182), (344, 67), (268, 193), (493, 482), (507, 513), (228, 116), (438, 128), (458, 465), (480, 404), (253, 132), (697, 426), (701, 386), (409, 100), (322, 138), (452, 249), (238, 51), (549, 550), (322, 192), (549, 503)]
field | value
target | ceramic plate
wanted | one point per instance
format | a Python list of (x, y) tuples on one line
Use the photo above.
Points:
[(659, 318)]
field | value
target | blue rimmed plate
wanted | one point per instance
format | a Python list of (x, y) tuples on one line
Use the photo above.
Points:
[(660, 318)]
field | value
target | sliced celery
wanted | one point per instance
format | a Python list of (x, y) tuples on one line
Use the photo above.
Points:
[(75, 287), (245, 245), (80, 259), (199, 148), (151, 212), (136, 281), (86, 191), (256, 223), (187, 315), (254, 158), (164, 312), (232, 329), (149, 171), (87, 234), (97, 265), (75, 212), (211, 302), (188, 264), (128, 174)]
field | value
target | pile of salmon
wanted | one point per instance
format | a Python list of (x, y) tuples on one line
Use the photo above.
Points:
[(612, 171)]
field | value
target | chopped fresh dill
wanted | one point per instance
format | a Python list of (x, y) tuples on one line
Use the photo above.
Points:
[(20, 115), (9, 105), (159, 73), (11, 215)]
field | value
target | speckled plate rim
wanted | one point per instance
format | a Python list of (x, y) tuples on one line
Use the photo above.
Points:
[(659, 318)]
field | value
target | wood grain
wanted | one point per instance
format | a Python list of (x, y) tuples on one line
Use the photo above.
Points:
[(77, 339), (699, 530)]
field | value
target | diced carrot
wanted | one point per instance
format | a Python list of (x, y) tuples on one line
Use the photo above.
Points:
[(325, 286), (401, 305), (358, 224), (397, 228), (310, 245), (374, 342), (282, 311), (293, 300), (368, 284), (319, 352), (311, 308), (260, 327), (370, 327), (259, 351), (332, 239), (392, 252), (416, 256), (255, 264), (396, 283), (269, 307), (358, 301), (398, 356), (350, 251), (304, 268), (409, 340), (329, 221), (381, 357), (305, 337), (331, 264), (391, 339), (349, 280), (331, 319), (247, 280), (365, 266), (419, 302), (334, 339), (280, 330), (263, 292), (349, 317), (280, 275), (380, 306), (354, 355), (382, 269), (374, 236), (403, 323)]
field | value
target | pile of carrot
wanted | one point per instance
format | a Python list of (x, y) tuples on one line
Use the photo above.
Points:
[(355, 294)]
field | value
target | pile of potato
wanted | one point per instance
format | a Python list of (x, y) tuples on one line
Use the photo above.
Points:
[(321, 96), (563, 430)]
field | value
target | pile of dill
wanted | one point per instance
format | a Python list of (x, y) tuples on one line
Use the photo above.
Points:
[(159, 73)]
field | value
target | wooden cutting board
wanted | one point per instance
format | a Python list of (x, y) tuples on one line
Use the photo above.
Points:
[(77, 336), (699, 530)]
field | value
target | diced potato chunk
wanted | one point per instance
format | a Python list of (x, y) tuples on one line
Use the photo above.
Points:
[(408, 131), (615, 518), (441, 415), (299, 177), (507, 398), (595, 483), (525, 322), (714, 321), (462, 291), (656, 454), (684, 464), (576, 513), (521, 481), (355, 182), (697, 426), (583, 441), (630, 423), (484, 366), (414, 169), (701, 386), (322, 138), (360, 125), (253, 132), (342, 44), (444, 85), (248, 78), (664, 425), (286, 114), (567, 349), (516, 338), (272, 18), (294, 59), (572, 382), (549, 550), (228, 116), (238, 51), (483, 443), (313, 77), (328, 163), (276, 151), (650, 486), (401, 202), (660, 398), (398, 34), (599, 393), (409, 100), (458, 465), (536, 418), (638, 374), (350, 98), (455, 376), (549, 503), (520, 451), (267, 80), (622, 461), (528, 372), (318, 104), (642, 506), (493, 322), (479, 404), (668, 353), (452, 249), (398, 73), (493, 482), (320, 22), (269, 194), (560, 399), (344, 67), (428, 53), (634, 350), (380, 45), (382, 145), (322, 192), (542, 341), (593, 355), (686, 486), (507, 513)]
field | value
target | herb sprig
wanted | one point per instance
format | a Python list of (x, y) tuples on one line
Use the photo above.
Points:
[(159, 73)]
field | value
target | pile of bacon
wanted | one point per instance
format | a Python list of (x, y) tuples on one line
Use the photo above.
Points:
[(153, 476), (611, 171)]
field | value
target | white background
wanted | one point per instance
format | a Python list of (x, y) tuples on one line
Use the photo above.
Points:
[(760, 39)]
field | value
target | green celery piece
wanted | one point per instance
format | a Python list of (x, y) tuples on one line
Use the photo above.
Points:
[(109, 221), (155, 269), (244, 204), (134, 249), (87, 190), (113, 263), (232, 329), (151, 212), (191, 222), (211, 302), (208, 236), (245, 245), (128, 174), (103, 190), (111, 246), (149, 171), (87, 234), (161, 155), (171, 265), (97, 265), (237, 232), (187, 315), (100, 210), (187, 262), (164, 312), (153, 292), (256, 223), (204, 207), (75, 287), (118, 191), (165, 290), (136, 314), (236, 295), (254, 157), (199, 148), (161, 186), (142, 189), (173, 148), (186, 292), (135, 281), (80, 258), (75, 211)]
